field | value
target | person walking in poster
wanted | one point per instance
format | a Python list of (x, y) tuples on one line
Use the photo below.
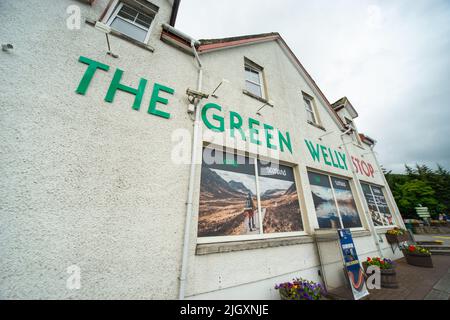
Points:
[(250, 211)]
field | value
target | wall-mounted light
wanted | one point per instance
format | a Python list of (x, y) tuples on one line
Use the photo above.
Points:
[(7, 46), (106, 30), (269, 103), (218, 86)]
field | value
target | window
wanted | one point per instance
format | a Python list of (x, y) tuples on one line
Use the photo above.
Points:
[(241, 196), (377, 204), (310, 109), (333, 201), (254, 79), (132, 22)]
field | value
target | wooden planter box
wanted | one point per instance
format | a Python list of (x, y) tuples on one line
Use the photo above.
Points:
[(418, 260), (392, 238), (388, 277)]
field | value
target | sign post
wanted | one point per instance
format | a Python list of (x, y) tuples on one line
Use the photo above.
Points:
[(353, 268)]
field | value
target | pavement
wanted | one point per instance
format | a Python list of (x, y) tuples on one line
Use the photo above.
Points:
[(415, 283), (433, 237)]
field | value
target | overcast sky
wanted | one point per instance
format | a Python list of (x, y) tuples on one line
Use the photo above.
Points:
[(390, 58)]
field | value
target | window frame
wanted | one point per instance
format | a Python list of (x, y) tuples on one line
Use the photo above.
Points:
[(261, 235), (352, 189), (112, 15), (260, 70), (311, 110), (388, 204)]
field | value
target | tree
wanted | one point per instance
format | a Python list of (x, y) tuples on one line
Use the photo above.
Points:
[(412, 193)]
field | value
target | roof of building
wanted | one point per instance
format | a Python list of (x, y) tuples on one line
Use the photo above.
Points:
[(208, 45), (367, 140)]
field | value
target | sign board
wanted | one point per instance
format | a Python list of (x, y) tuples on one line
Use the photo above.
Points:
[(352, 266), (423, 212)]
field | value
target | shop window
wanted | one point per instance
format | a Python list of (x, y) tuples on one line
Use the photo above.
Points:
[(254, 83), (310, 108), (376, 201), (334, 202), (133, 21), (241, 196)]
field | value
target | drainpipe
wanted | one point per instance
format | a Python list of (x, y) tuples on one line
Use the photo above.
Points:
[(360, 193), (195, 142), (389, 192)]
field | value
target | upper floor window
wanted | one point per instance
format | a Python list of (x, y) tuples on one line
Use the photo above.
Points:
[(133, 22), (254, 79), (310, 109)]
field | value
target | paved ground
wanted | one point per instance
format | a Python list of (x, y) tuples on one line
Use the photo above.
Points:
[(432, 237), (416, 283)]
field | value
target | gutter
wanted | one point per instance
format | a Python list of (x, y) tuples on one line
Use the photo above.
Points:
[(189, 204), (173, 16), (180, 34)]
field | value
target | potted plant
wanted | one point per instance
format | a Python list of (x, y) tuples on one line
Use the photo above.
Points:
[(300, 289), (418, 256), (397, 235), (387, 271)]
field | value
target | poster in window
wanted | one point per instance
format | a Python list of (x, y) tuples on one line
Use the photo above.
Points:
[(382, 206), (377, 218), (322, 193), (346, 203), (280, 208), (228, 204)]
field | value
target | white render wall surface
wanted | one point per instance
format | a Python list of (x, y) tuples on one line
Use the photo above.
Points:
[(85, 182), (90, 183)]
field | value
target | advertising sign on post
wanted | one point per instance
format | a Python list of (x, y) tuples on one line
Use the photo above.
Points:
[(352, 266)]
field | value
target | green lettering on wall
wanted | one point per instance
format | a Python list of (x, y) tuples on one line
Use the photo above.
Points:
[(156, 98), (89, 73), (313, 151), (343, 160), (332, 159), (253, 131), (209, 125), (269, 136), (337, 158), (116, 85), (284, 141), (325, 155), (236, 124)]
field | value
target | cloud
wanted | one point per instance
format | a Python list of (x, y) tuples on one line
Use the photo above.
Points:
[(390, 58)]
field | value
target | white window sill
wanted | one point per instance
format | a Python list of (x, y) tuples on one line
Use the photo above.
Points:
[(332, 235), (318, 126), (251, 95), (124, 37), (210, 248)]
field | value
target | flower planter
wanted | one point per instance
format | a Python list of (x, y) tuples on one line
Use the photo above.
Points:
[(418, 260), (388, 277), (394, 238), (285, 296)]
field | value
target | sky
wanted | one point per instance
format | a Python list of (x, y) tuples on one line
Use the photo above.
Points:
[(391, 58)]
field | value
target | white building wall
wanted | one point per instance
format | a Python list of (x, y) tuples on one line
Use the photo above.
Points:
[(92, 183), (84, 181)]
